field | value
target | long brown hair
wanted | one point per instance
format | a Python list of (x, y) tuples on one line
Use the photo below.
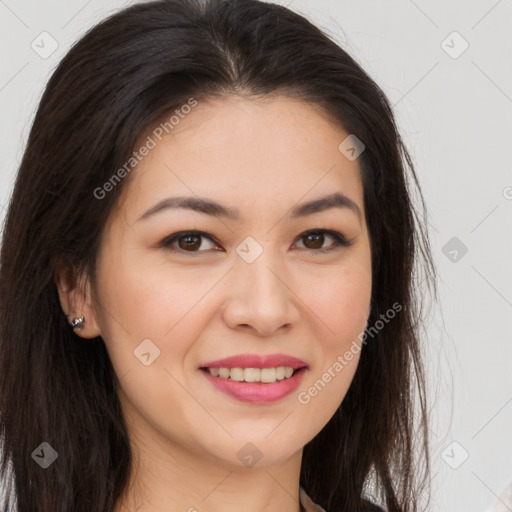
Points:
[(115, 83)]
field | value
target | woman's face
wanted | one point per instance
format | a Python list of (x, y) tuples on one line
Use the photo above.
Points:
[(255, 283)]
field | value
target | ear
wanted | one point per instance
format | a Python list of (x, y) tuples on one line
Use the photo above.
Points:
[(76, 300)]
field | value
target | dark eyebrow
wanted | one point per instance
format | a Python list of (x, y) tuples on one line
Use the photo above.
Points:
[(336, 200), (210, 207)]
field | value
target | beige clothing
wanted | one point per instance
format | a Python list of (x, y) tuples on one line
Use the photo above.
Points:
[(504, 503), (308, 504)]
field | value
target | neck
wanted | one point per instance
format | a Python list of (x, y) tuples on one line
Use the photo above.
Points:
[(168, 477)]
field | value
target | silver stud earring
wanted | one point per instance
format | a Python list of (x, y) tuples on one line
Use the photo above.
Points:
[(77, 323)]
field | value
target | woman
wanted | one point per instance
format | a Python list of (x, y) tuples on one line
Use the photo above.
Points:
[(207, 293)]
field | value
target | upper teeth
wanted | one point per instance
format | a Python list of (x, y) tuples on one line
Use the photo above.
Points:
[(253, 374)]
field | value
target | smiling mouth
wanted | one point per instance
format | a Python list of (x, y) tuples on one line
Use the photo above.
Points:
[(253, 375)]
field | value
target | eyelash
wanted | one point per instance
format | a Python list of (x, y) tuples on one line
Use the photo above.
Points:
[(340, 240)]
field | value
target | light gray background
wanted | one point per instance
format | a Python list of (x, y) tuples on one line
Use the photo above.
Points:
[(455, 115)]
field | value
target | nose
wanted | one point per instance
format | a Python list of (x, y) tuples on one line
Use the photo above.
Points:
[(261, 296)]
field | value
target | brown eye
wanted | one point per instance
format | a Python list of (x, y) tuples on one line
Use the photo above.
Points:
[(315, 239), (192, 241), (189, 241)]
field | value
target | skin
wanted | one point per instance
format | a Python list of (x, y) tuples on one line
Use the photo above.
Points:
[(263, 157)]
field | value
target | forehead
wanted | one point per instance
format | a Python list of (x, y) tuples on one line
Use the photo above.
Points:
[(245, 152)]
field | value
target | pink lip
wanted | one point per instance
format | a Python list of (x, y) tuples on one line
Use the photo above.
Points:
[(256, 361), (257, 392)]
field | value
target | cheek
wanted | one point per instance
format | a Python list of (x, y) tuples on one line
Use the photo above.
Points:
[(152, 310), (341, 304), (154, 300), (146, 302)]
